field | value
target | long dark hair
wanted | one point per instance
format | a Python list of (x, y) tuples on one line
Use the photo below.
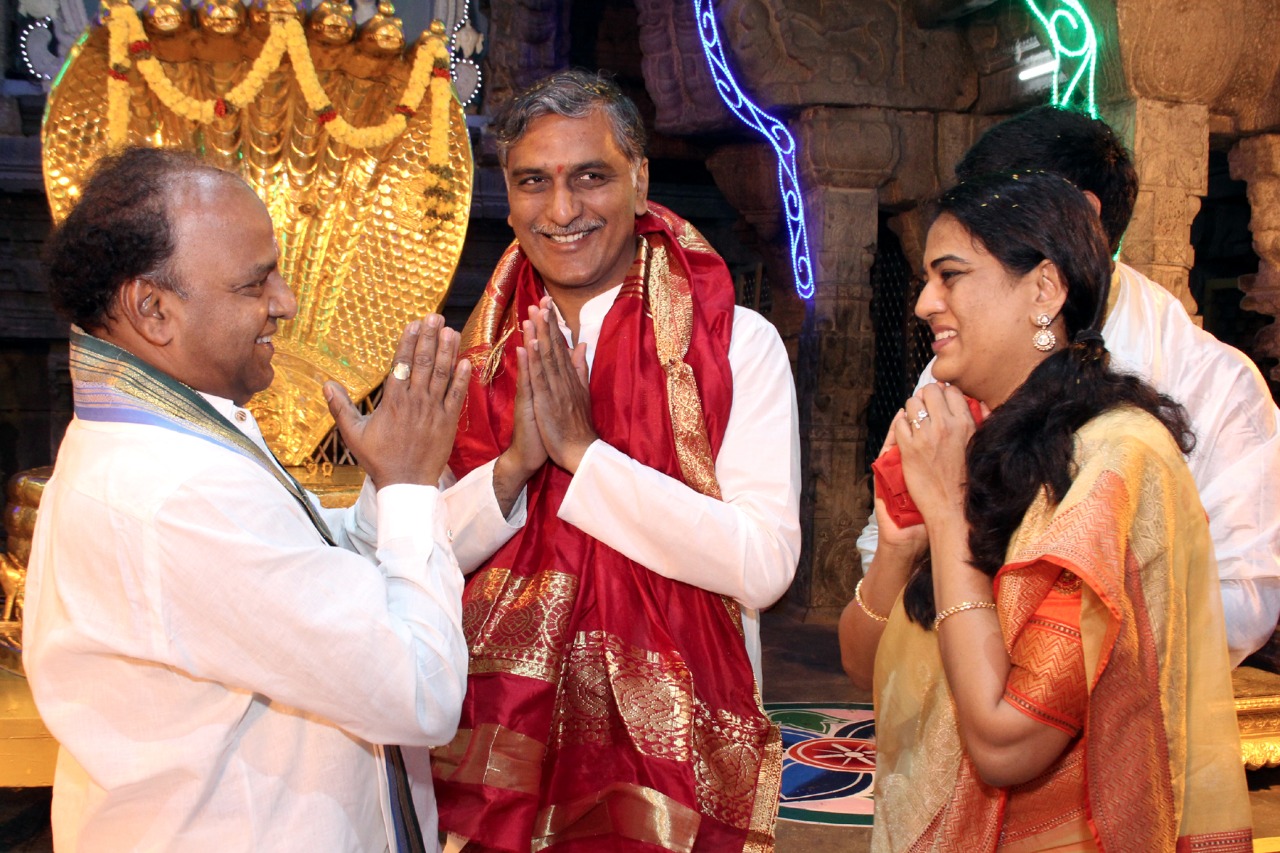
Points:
[(1026, 444)]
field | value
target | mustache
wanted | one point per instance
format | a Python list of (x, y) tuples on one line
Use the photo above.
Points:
[(566, 230)]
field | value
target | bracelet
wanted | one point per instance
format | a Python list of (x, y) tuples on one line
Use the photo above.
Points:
[(857, 596), (960, 608)]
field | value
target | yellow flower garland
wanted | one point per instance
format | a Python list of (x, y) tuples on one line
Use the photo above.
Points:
[(117, 84), (286, 36)]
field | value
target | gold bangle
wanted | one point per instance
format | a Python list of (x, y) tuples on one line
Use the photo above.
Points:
[(960, 608), (857, 596)]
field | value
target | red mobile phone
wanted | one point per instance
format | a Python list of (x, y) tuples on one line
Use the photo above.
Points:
[(891, 485)]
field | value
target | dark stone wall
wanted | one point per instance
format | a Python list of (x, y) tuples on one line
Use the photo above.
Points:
[(35, 392)]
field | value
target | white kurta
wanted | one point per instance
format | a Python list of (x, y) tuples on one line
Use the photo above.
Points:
[(745, 546), (217, 676), (1236, 462)]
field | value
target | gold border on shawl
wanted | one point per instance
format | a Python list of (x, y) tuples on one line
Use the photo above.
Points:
[(624, 810), (518, 625), (492, 756), (483, 337), (614, 692), (610, 687), (671, 305), (730, 754), (689, 237), (735, 619), (764, 815)]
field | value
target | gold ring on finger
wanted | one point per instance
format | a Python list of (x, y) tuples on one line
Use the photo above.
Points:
[(402, 370)]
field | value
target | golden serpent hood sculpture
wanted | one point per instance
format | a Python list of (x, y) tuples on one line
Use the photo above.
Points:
[(358, 148)]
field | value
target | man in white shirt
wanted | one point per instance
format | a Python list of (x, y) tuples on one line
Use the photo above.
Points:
[(1236, 462), (219, 658), (652, 471)]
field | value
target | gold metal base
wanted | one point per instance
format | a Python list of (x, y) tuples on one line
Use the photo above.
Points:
[(11, 648), (28, 753), (337, 486), (1257, 695)]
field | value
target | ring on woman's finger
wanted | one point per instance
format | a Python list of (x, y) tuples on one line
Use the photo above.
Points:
[(402, 370), (922, 414), (915, 423)]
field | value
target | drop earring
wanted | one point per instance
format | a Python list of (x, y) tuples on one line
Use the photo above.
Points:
[(1044, 339)]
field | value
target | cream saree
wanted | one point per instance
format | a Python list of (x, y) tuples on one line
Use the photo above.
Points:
[(1157, 765)]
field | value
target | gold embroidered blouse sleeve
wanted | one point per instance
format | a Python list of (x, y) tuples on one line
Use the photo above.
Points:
[(1047, 673)]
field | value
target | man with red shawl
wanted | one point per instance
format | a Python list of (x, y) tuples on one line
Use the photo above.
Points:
[(634, 434)]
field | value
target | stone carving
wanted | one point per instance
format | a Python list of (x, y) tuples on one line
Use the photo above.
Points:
[(1251, 98), (1170, 145), (838, 342), (847, 148), (528, 39), (850, 162), (675, 71), (845, 156), (797, 52), (1184, 57), (1220, 55)]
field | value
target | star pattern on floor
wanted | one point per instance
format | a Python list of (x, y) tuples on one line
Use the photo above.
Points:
[(828, 762)]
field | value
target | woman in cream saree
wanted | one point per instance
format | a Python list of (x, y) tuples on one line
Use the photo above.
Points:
[(1055, 677)]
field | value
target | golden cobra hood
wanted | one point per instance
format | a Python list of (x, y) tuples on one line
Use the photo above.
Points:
[(358, 147)]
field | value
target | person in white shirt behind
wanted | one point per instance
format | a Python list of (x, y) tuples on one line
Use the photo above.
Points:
[(651, 466), (1236, 461), (219, 658)]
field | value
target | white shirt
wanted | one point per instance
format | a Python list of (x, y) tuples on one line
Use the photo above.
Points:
[(745, 546), (1236, 462), (216, 675)]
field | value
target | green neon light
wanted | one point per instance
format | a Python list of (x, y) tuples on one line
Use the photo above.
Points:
[(1072, 36)]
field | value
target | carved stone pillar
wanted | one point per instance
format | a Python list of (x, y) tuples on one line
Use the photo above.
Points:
[(747, 174), (835, 368), (788, 55), (675, 71), (1170, 145), (1257, 162), (527, 40)]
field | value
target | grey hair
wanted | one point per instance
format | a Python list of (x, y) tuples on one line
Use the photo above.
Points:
[(571, 94)]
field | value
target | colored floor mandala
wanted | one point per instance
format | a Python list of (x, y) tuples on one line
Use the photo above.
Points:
[(828, 762)]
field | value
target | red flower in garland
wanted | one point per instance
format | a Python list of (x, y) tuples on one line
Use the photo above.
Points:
[(220, 108), (140, 47), (441, 71), (407, 112), (326, 114), (115, 72)]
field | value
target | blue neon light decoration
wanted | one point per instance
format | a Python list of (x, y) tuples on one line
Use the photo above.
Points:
[(1065, 26), (772, 130)]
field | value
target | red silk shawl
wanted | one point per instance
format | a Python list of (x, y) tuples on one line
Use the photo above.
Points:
[(607, 705)]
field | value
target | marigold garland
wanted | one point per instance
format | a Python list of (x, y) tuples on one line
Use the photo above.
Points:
[(127, 44), (117, 83)]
